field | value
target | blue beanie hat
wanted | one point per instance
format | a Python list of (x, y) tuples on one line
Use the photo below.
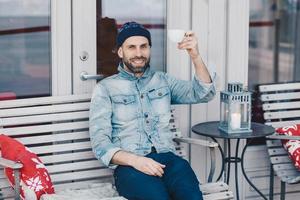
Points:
[(132, 29)]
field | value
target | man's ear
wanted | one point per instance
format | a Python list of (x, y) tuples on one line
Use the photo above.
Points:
[(120, 52)]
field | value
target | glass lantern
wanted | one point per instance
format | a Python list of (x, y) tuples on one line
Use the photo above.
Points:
[(235, 113)]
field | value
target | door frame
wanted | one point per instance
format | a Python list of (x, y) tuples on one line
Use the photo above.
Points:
[(84, 40), (61, 47)]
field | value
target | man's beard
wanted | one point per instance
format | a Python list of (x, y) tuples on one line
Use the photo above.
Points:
[(137, 70)]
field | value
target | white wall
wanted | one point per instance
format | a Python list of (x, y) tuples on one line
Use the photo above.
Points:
[(222, 29)]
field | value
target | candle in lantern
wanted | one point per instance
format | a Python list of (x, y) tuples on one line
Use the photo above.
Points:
[(235, 121)]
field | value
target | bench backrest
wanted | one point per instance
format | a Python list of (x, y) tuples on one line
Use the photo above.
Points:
[(281, 103), (57, 130), (281, 106)]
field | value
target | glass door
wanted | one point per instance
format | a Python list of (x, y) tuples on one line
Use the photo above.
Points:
[(25, 53), (95, 27)]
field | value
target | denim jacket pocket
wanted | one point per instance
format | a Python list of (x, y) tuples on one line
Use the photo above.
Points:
[(123, 99), (158, 93), (160, 100), (124, 107)]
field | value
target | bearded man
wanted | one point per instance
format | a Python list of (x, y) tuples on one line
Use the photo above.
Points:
[(129, 119)]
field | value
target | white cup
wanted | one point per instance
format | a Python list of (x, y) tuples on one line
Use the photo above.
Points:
[(176, 35)]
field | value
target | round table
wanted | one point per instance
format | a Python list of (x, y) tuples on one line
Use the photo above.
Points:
[(210, 129)]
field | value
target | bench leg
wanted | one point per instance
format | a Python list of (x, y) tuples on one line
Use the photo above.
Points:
[(282, 190), (17, 184), (271, 186)]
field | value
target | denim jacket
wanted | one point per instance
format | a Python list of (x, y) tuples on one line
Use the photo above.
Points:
[(132, 114)]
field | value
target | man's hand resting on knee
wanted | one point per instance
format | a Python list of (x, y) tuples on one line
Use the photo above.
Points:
[(141, 163)]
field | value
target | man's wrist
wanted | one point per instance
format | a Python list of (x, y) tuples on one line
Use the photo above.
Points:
[(196, 58), (132, 159), (197, 61)]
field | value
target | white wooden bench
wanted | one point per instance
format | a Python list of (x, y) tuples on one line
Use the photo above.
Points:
[(281, 106), (56, 129)]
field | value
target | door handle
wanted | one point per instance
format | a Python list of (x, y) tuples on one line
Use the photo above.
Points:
[(85, 76)]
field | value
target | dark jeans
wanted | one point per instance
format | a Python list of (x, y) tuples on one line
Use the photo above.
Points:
[(179, 182)]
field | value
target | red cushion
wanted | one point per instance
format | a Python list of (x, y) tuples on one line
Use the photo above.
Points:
[(292, 146), (35, 179)]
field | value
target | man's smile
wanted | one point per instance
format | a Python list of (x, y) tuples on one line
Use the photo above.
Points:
[(138, 61)]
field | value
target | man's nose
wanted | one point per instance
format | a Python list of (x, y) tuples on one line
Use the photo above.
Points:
[(138, 52)]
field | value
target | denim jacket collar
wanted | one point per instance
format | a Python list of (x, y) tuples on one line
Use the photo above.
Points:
[(130, 76)]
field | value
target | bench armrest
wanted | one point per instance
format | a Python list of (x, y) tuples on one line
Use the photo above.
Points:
[(11, 164), (16, 166), (196, 141), (211, 145), (283, 137)]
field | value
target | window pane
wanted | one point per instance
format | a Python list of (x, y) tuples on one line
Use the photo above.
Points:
[(111, 14), (274, 46), (273, 41), (25, 48)]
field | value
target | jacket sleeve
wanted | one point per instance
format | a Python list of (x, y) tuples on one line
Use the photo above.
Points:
[(100, 126), (190, 92)]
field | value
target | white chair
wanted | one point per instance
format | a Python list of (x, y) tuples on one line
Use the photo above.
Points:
[(281, 106)]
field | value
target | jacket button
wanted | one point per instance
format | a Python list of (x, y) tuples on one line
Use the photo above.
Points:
[(147, 121), (146, 115), (142, 96), (159, 94)]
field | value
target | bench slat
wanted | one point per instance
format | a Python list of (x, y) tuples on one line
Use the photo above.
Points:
[(43, 118), (70, 166), (288, 172), (208, 188), (44, 109), (71, 176), (277, 151), (219, 196), (280, 96), (280, 159), (84, 165), (44, 101), (3, 182), (282, 114), (284, 166), (290, 179), (44, 128), (280, 106), (7, 193), (54, 137), (273, 143), (74, 156), (279, 87), (282, 123), (81, 184), (91, 174), (61, 147)]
